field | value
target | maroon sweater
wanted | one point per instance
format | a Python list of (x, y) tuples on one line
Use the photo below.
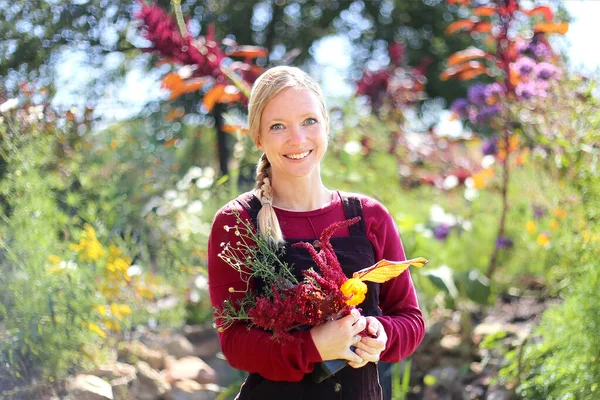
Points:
[(253, 350)]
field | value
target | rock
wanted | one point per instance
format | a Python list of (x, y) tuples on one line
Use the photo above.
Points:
[(89, 387), (498, 393), (178, 346), (113, 371), (191, 390), (150, 384), (189, 368), (208, 348), (473, 392), (451, 343), (135, 351)]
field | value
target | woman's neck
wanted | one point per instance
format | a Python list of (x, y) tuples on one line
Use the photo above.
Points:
[(300, 194)]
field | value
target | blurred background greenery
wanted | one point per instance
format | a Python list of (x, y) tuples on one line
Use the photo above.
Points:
[(119, 142)]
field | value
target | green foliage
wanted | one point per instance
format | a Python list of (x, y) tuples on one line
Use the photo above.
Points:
[(43, 309), (562, 362)]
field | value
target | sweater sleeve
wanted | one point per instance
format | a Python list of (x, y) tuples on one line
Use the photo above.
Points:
[(246, 348), (401, 317)]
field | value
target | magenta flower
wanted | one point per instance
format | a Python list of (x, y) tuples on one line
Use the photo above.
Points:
[(493, 90), (526, 90), (546, 71), (525, 65)]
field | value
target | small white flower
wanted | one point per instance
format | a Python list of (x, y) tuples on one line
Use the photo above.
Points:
[(487, 161), (9, 105), (450, 182), (134, 270), (352, 147)]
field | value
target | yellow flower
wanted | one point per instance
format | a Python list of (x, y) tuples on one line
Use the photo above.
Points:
[(144, 292), (96, 329), (100, 309), (89, 248), (543, 240), (355, 289), (120, 311), (586, 236), (530, 227), (112, 325), (54, 260), (553, 224)]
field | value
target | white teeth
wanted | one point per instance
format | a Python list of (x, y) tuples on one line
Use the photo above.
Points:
[(298, 156)]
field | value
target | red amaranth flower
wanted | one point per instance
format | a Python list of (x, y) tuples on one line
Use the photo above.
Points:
[(161, 29)]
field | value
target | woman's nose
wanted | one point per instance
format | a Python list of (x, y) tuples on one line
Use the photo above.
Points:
[(297, 135)]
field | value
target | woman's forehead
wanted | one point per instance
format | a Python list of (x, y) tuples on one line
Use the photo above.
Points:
[(292, 102)]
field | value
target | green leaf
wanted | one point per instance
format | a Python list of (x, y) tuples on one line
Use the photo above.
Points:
[(443, 278), (474, 285)]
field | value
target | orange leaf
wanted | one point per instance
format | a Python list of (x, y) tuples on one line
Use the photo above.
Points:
[(459, 25), (484, 11), (466, 55), (472, 73), (174, 114), (459, 69), (482, 27), (230, 94), (170, 142), (212, 97), (459, 2), (248, 52), (551, 27), (235, 129), (172, 81), (546, 11), (385, 270)]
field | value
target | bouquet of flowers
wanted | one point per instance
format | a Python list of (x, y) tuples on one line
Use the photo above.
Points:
[(286, 303)]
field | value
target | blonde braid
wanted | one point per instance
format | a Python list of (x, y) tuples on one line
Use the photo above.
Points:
[(268, 224)]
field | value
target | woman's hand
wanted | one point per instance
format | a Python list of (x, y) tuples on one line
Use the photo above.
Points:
[(370, 348), (334, 338)]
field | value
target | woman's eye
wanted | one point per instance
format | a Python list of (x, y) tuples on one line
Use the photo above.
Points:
[(276, 127), (310, 121)]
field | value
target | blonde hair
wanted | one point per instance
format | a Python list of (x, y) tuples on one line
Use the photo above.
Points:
[(267, 86)]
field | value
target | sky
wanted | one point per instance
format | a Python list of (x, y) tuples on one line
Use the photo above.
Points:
[(332, 55)]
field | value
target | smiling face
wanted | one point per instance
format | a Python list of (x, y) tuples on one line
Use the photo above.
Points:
[(293, 134)]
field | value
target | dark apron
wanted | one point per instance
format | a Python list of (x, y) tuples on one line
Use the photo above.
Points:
[(354, 252)]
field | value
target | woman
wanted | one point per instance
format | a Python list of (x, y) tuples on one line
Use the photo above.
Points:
[(288, 122)]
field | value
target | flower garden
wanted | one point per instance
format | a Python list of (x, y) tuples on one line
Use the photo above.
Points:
[(104, 226)]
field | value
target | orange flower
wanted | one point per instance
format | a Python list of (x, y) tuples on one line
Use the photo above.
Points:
[(355, 289)]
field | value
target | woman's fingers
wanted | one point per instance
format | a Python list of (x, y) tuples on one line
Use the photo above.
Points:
[(368, 357)]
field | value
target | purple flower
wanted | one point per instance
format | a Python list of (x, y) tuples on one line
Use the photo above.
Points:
[(494, 89), (476, 94), (504, 242), (525, 65), (488, 148), (459, 107), (538, 211), (546, 71), (540, 50), (487, 112), (441, 231), (526, 90)]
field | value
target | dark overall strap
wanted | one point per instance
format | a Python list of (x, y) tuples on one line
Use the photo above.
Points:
[(353, 208), (252, 206)]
